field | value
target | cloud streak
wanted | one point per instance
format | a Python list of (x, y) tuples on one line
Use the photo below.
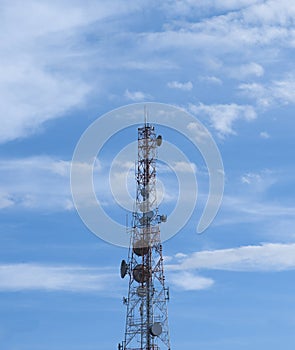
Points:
[(47, 64), (42, 63), (137, 96), (35, 183), (267, 257), (180, 86), (189, 281), (276, 92), (18, 277)]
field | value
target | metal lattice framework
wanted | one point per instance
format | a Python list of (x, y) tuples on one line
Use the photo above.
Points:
[(147, 317)]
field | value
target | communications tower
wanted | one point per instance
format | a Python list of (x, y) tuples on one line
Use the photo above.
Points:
[(146, 317)]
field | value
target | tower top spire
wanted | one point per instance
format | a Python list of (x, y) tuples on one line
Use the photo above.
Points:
[(145, 115)]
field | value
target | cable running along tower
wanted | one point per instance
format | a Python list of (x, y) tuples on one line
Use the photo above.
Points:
[(147, 317)]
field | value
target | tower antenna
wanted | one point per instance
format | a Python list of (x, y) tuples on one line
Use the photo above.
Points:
[(146, 316), (145, 115)]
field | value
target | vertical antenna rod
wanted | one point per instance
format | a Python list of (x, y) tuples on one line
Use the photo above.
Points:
[(147, 316)]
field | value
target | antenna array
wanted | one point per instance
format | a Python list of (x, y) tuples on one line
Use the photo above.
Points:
[(146, 317)]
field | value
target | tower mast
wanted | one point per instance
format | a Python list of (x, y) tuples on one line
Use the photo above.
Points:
[(146, 317)]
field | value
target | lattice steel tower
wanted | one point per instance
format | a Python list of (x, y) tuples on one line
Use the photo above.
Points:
[(147, 318)]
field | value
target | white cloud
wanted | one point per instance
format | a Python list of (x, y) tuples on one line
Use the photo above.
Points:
[(223, 116), (247, 71), (198, 132), (284, 90), (260, 181), (36, 183), (189, 7), (188, 281), (47, 60), (32, 90), (279, 91), (250, 178), (180, 255), (230, 32), (251, 200), (212, 80), (264, 135), (265, 257), (40, 183), (181, 86), (34, 97), (248, 208), (43, 183), (271, 12), (16, 277), (258, 92), (184, 167), (137, 96), (43, 66), (5, 200), (80, 279)]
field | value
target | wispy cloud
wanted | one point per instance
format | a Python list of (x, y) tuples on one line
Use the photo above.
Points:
[(48, 59), (211, 80), (80, 279), (264, 135), (259, 181), (223, 116), (251, 210), (189, 281), (251, 200), (181, 86), (42, 64), (35, 183), (137, 96), (270, 13), (264, 257), (6, 200), (42, 183), (275, 92), (256, 25), (187, 7), (17, 277), (245, 71)]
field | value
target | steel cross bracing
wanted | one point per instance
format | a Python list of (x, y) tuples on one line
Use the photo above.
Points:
[(146, 318)]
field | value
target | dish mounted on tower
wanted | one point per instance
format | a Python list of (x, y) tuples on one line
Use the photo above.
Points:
[(147, 317)]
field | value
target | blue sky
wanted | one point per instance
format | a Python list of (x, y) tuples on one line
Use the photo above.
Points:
[(231, 65)]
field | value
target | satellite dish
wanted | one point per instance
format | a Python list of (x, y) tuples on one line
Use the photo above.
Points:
[(163, 218), (141, 247), (159, 140), (141, 291), (156, 329), (123, 269), (140, 273)]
